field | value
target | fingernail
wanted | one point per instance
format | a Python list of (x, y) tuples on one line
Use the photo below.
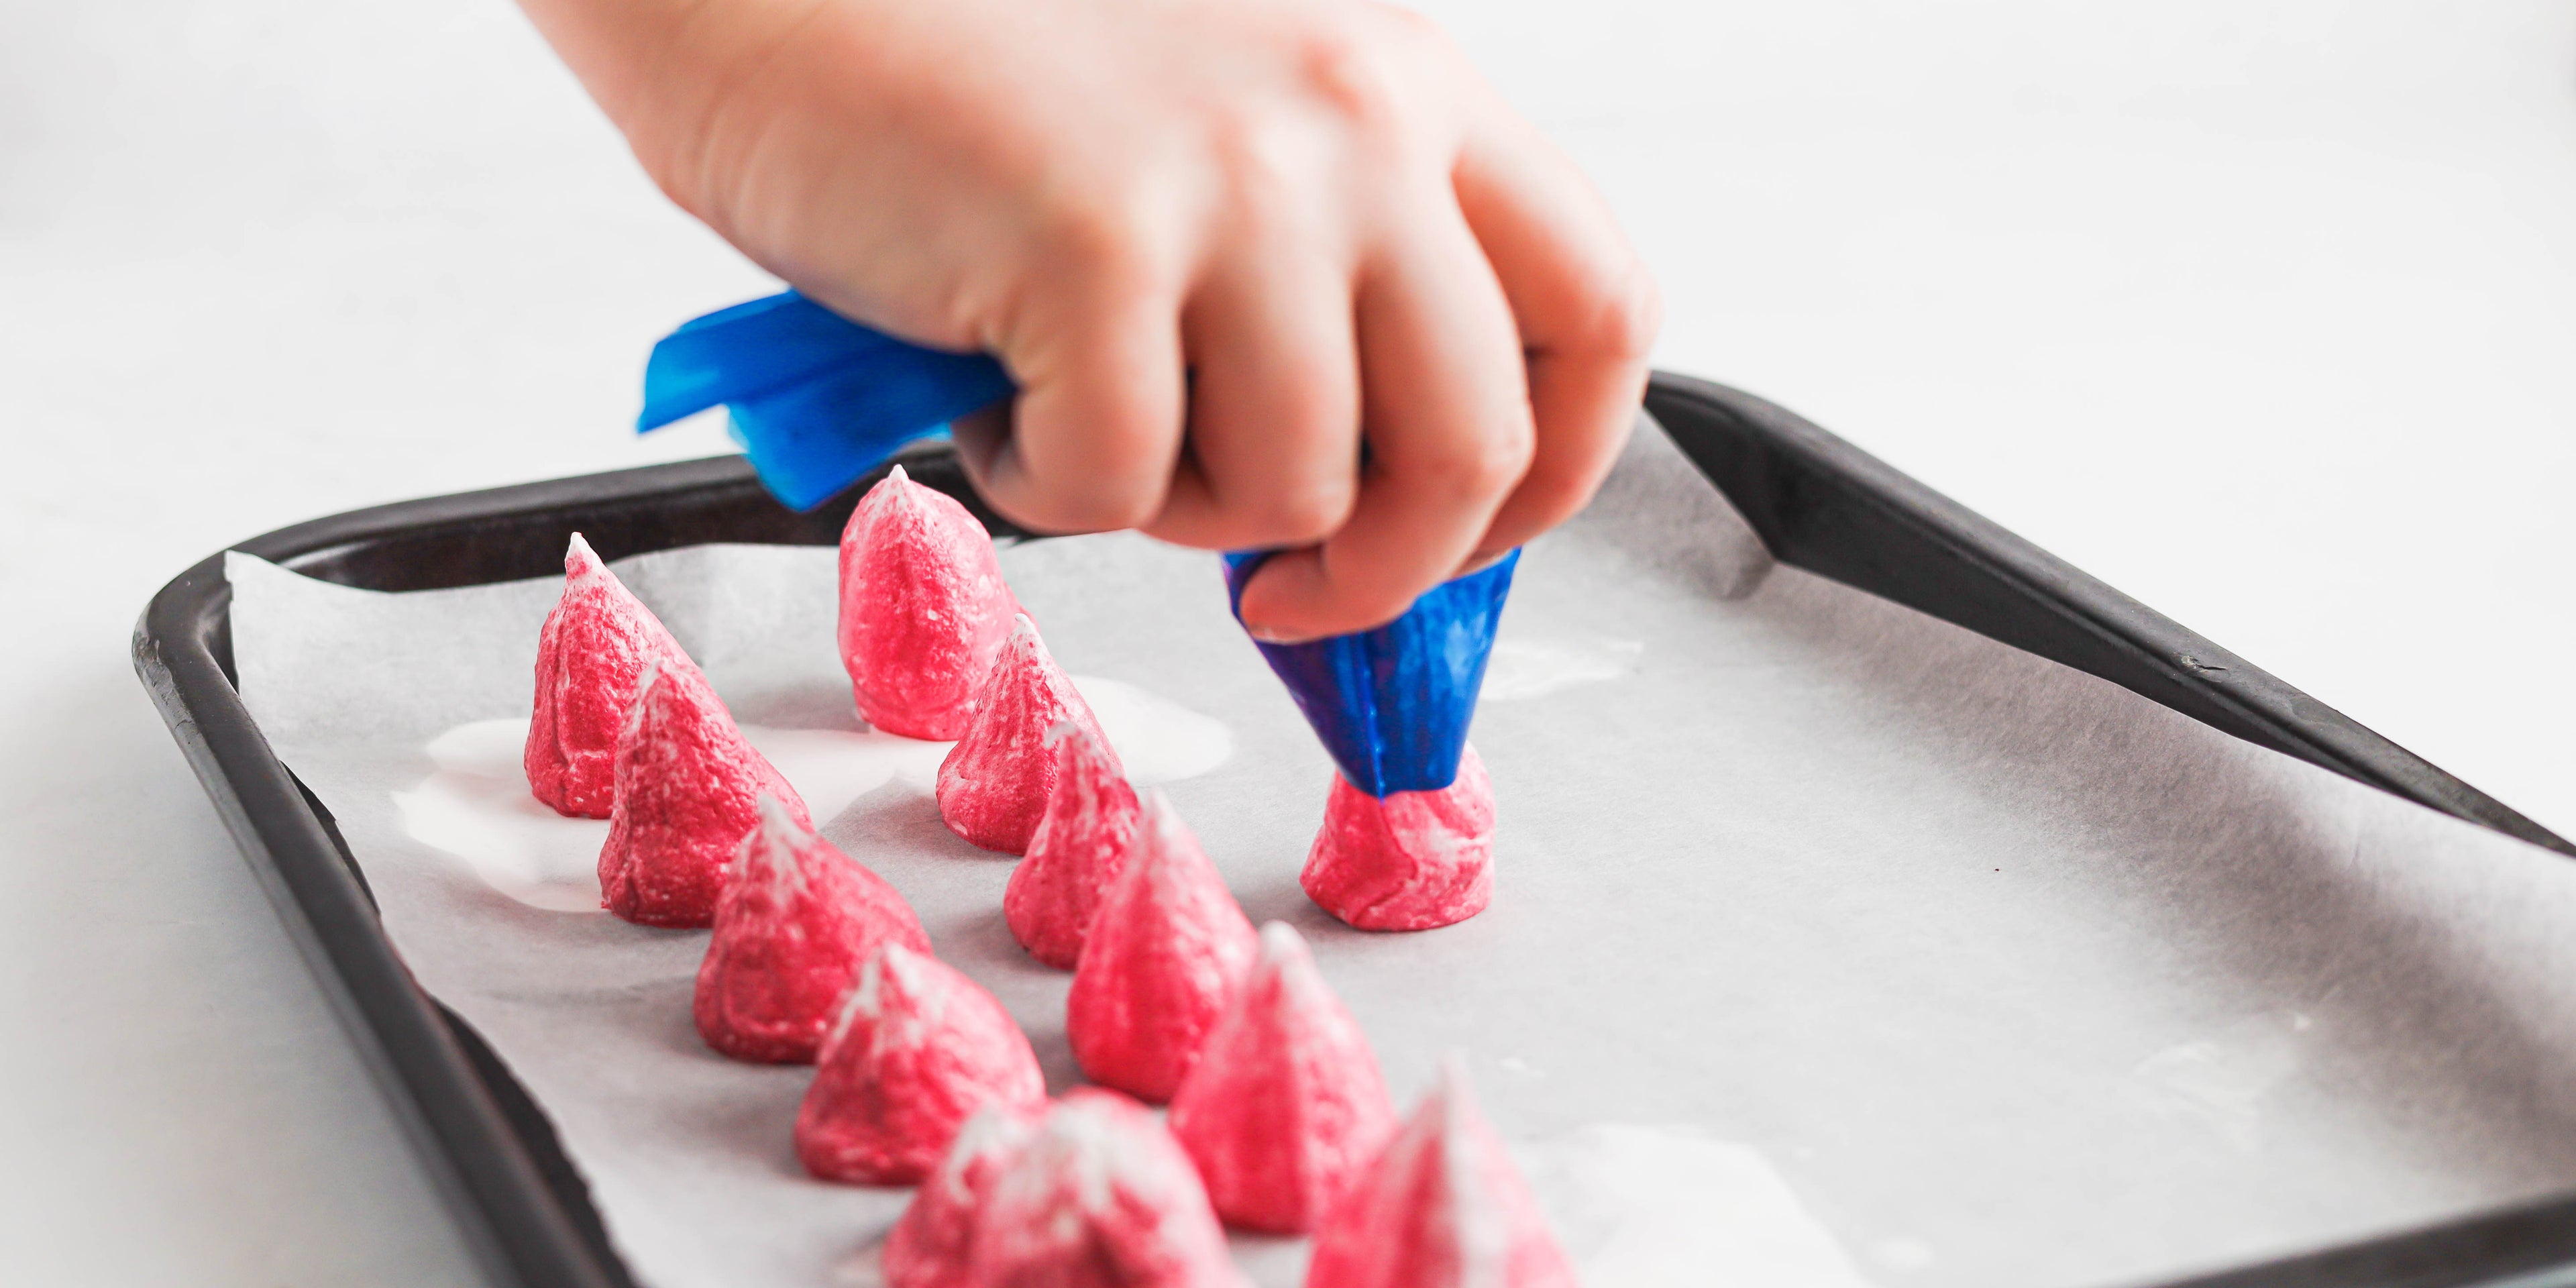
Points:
[(1269, 636)]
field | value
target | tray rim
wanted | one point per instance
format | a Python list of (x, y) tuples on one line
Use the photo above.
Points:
[(1816, 500)]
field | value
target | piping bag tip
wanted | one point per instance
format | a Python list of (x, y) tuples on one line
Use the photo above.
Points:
[(816, 400), (1392, 704)]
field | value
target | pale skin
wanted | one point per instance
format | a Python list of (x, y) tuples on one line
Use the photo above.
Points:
[(1219, 244)]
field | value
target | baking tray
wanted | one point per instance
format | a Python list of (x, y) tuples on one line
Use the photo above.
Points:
[(1817, 501)]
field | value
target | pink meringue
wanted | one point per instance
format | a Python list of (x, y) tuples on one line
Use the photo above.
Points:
[(1079, 848), (688, 791), (1412, 861), (923, 609), (1442, 1207), (796, 922), (593, 649), (1101, 1197), (933, 1244), (1285, 1107), (918, 1049), (1162, 960), (994, 785)]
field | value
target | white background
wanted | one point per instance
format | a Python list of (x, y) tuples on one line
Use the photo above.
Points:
[(2264, 313)]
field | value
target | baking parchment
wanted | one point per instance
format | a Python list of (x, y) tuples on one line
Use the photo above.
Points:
[(1832, 944)]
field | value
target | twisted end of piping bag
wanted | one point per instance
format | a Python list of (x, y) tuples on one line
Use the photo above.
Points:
[(815, 399), (1392, 704)]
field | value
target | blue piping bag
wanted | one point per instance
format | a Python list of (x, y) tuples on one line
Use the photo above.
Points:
[(1392, 704), (815, 399)]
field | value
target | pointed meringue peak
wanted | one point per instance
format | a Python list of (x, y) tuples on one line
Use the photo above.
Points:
[(988, 1142), (1286, 1107), (687, 792), (1160, 962), (591, 652), (1443, 1207), (918, 1049), (923, 609), (1100, 1197), (897, 498), (1283, 987), (1079, 847), (891, 984), (795, 924), (1410, 861), (1283, 949), (933, 1245), (581, 561), (772, 853), (995, 784)]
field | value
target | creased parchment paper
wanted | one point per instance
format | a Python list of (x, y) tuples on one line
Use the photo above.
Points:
[(1832, 944)]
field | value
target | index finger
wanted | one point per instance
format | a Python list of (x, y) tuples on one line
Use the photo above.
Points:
[(1585, 307)]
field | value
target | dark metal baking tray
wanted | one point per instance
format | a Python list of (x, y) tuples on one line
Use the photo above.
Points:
[(1820, 503)]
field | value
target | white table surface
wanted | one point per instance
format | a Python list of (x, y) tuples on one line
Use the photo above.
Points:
[(2265, 314)]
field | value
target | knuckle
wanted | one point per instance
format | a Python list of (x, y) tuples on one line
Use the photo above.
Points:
[(1117, 513), (1506, 458), (1121, 480), (1301, 516), (1351, 68), (1481, 466), (1104, 235), (1627, 314), (1093, 464), (692, 161), (1261, 158), (1552, 493), (1091, 236), (1071, 510)]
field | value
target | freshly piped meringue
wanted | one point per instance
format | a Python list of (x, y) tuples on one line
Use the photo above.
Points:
[(1410, 861)]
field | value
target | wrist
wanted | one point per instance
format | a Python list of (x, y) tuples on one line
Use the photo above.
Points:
[(660, 69)]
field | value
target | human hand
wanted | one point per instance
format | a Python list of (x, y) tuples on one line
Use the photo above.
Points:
[(1219, 244)]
